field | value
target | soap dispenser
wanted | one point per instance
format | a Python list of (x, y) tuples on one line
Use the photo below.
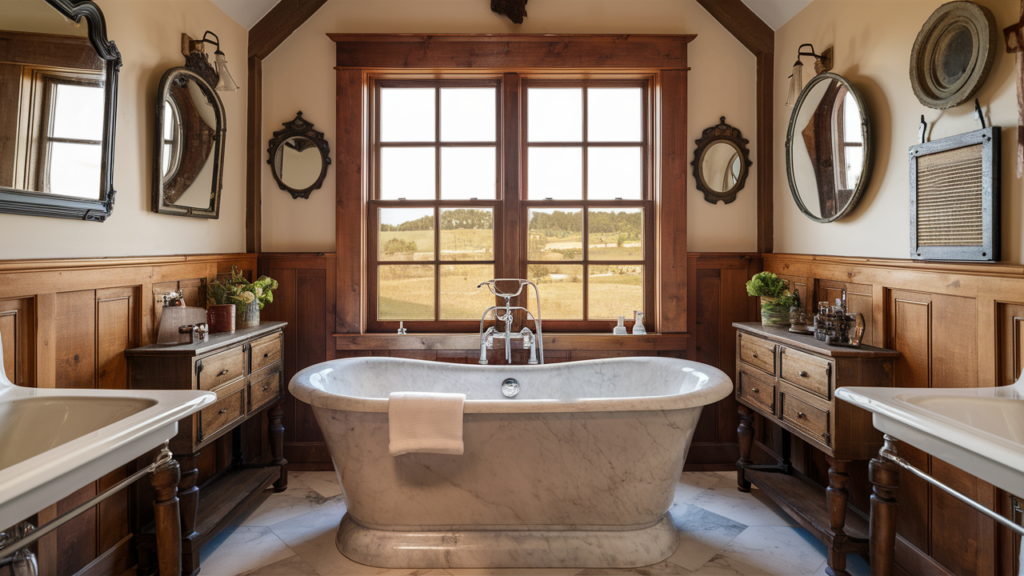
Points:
[(638, 325), (620, 330)]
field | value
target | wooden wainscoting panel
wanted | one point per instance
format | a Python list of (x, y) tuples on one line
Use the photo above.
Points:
[(17, 336), (78, 538), (1010, 342), (116, 318), (76, 339)]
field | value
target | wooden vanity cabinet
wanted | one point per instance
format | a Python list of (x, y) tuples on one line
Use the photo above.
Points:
[(790, 379), (245, 370)]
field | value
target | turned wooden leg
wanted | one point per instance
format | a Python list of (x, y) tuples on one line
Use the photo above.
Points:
[(746, 439), (277, 445), (837, 497), (188, 493), (166, 514), (885, 479)]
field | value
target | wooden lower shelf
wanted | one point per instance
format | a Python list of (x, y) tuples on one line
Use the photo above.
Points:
[(228, 496), (806, 502)]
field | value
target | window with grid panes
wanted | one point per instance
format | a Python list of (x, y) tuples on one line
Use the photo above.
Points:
[(436, 209)]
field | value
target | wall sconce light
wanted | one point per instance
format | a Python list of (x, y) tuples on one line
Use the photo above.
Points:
[(195, 54), (822, 63)]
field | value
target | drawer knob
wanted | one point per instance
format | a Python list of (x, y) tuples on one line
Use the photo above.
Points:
[(801, 415), (755, 354), (265, 388), (803, 374), (754, 390), (222, 411), (267, 355), (223, 372)]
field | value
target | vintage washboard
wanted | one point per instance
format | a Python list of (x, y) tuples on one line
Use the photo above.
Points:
[(954, 197)]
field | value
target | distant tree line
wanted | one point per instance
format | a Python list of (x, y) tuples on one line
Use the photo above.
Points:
[(558, 223), (457, 219)]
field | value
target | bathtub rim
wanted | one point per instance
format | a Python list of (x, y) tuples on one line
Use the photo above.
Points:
[(721, 386)]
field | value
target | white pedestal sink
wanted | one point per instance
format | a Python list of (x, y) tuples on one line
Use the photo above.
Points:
[(54, 441), (980, 430)]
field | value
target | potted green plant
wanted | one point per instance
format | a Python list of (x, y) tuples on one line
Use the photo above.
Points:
[(775, 298), (248, 297)]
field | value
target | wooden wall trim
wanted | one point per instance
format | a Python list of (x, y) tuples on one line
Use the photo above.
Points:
[(7, 266), (558, 341), (512, 51), (759, 38)]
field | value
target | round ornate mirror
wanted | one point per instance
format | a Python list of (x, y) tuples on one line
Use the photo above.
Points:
[(720, 163), (299, 157), (828, 148)]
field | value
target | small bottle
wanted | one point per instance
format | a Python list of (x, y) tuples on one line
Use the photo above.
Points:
[(638, 325), (620, 330)]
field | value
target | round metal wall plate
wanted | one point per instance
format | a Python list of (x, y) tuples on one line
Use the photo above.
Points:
[(953, 54)]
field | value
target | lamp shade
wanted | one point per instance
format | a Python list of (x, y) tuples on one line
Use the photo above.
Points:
[(796, 84), (226, 82)]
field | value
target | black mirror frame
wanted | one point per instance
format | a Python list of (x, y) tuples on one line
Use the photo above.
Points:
[(299, 127), (720, 133), (27, 203), (865, 131), (158, 204)]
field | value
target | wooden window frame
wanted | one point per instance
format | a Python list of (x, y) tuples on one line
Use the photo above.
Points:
[(515, 57), (49, 85)]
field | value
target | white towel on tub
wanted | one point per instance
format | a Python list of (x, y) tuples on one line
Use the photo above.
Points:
[(425, 422)]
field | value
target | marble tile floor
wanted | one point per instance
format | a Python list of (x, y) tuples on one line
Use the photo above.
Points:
[(722, 532)]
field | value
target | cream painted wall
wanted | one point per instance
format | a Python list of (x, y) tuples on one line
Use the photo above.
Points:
[(299, 76), (148, 34), (872, 42)]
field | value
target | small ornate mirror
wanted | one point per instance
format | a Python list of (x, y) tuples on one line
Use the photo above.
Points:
[(828, 148), (189, 159), (299, 157), (720, 163)]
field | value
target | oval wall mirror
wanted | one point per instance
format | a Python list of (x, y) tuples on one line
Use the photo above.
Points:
[(721, 163), (299, 157), (828, 148), (188, 174)]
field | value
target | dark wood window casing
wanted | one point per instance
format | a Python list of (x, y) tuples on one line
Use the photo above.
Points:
[(512, 63)]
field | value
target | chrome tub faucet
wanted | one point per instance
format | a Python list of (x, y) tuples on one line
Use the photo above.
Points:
[(534, 342)]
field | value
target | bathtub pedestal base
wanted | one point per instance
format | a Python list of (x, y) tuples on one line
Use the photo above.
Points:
[(508, 548)]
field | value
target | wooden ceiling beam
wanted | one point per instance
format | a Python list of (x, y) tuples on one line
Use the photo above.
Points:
[(279, 23), (742, 23)]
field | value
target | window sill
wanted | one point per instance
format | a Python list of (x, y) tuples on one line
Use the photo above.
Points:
[(556, 341)]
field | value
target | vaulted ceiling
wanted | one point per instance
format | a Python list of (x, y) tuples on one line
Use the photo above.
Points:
[(775, 13), (246, 12)]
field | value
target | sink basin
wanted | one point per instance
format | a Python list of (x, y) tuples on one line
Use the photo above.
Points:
[(980, 430), (54, 441)]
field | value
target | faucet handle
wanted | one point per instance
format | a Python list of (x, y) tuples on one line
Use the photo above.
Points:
[(401, 329)]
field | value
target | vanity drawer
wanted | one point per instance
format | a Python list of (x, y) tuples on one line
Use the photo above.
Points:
[(263, 390), (801, 414), (265, 351), (809, 372), (229, 407), (758, 353), (219, 369), (756, 390)]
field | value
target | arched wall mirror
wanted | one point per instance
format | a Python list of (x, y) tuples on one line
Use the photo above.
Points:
[(721, 162), (828, 148), (58, 97), (189, 159), (299, 157)]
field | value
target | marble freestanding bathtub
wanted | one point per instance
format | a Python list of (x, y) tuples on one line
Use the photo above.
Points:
[(578, 470)]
